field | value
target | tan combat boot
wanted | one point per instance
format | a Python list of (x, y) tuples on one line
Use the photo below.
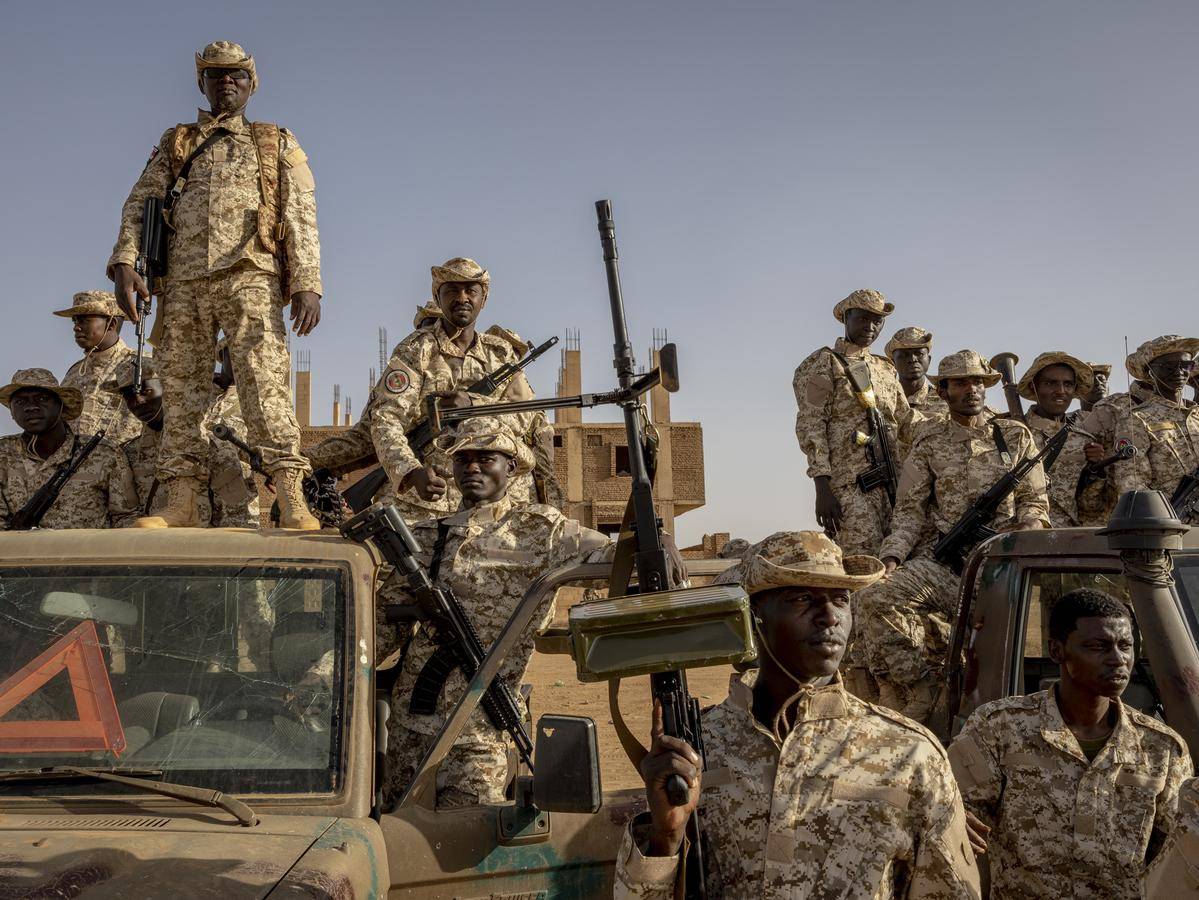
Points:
[(293, 509), (180, 511)]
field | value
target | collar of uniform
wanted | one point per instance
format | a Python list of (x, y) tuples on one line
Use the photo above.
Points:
[(825, 701), (447, 346), (960, 432), (95, 357), (1158, 404), (62, 452), (921, 394), (1138, 393), (207, 122), (1123, 744), (1045, 423), (483, 514), (845, 348)]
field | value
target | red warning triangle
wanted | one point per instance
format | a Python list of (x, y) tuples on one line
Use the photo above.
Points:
[(99, 724)]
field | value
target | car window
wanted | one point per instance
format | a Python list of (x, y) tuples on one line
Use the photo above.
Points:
[(228, 679)]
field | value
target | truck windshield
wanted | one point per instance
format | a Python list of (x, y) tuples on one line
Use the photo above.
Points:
[(226, 678)]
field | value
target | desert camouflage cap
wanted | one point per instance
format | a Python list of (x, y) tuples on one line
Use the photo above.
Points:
[(1084, 377), (912, 338), (92, 303), (225, 55), (459, 269), (1138, 361), (43, 379), (866, 299), (423, 313), (964, 364), (488, 433), (800, 559), (1104, 369)]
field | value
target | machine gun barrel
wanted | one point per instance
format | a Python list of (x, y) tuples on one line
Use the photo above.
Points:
[(150, 264), (223, 432)]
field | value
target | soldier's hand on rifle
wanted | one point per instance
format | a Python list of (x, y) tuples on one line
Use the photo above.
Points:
[(128, 285), (1094, 453), (305, 311), (426, 482), (828, 509), (668, 756), (453, 399)]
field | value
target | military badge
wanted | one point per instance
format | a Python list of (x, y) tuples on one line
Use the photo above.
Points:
[(396, 381)]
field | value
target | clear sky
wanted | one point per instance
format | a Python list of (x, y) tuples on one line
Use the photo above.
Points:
[(1014, 176)]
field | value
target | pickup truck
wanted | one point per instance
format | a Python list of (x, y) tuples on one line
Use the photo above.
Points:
[(193, 713)]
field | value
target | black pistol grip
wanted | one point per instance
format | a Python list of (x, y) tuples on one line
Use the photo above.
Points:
[(431, 681)]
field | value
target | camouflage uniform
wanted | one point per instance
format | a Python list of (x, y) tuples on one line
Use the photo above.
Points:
[(223, 275), (100, 495), (856, 802), (101, 408), (829, 415), (928, 402), (1063, 826), (1167, 436), (1174, 872), (902, 622), (428, 361), (492, 552), (1060, 487)]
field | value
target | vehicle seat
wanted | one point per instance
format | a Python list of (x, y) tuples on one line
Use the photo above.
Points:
[(149, 716)]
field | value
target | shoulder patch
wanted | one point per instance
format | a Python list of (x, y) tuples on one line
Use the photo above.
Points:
[(1019, 702), (397, 381)]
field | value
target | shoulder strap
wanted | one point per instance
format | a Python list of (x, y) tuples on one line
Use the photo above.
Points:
[(1000, 442), (858, 373), (443, 534), (176, 189)]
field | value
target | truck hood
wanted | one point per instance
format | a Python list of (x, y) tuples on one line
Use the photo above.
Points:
[(135, 856)]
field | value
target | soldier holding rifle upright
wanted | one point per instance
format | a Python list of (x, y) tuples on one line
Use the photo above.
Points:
[(809, 791), (903, 619), (240, 206), (833, 419)]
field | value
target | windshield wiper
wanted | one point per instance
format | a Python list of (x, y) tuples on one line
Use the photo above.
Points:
[(240, 811)]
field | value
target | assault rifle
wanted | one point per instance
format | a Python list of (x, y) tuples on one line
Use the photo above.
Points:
[(1185, 498), (223, 432), (458, 644), (974, 526), (150, 265), (31, 514), (883, 471), (1092, 472), (361, 493)]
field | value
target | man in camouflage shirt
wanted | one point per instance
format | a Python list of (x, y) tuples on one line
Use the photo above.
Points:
[(808, 791), (1101, 372), (99, 495), (831, 415), (1052, 383), (444, 357), (1077, 788), (491, 549), (230, 498), (1165, 428), (903, 620), (1174, 872), (243, 242), (96, 321), (910, 351)]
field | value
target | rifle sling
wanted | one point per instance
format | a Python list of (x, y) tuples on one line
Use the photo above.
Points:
[(442, 663), (176, 190), (1052, 455), (1000, 443)]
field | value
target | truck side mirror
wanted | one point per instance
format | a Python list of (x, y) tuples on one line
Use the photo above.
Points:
[(668, 362), (567, 776)]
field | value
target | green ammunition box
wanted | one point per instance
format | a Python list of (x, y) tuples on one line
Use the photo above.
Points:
[(681, 629)]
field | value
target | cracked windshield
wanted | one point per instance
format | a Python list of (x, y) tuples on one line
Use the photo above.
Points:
[(227, 679)]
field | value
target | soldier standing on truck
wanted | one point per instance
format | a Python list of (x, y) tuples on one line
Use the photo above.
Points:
[(904, 619), (808, 791), (1053, 381), (241, 212), (99, 495), (444, 358), (230, 496), (910, 351), (832, 412), (1165, 428), (1077, 789), (97, 320), (487, 553)]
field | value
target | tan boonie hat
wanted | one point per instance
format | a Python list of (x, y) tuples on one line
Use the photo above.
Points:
[(1084, 377), (488, 433), (964, 364), (1100, 368), (43, 379), (866, 299), (459, 269), (909, 339), (1138, 361), (225, 55), (800, 559), (429, 311), (92, 303)]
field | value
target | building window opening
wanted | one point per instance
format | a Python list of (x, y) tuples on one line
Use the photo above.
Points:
[(621, 465)]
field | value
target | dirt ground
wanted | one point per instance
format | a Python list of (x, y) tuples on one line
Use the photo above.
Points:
[(556, 689)]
